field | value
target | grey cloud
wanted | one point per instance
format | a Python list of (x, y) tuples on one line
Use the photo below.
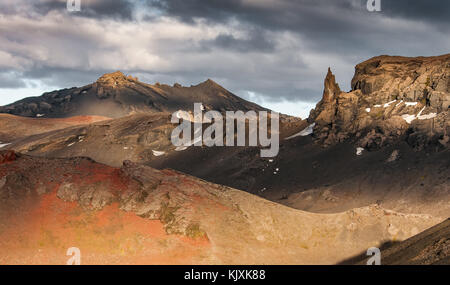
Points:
[(256, 42), (11, 80)]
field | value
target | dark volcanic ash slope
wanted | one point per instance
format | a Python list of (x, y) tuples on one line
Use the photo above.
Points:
[(116, 95), (139, 215), (431, 247)]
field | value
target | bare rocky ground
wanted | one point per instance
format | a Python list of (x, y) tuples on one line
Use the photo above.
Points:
[(16, 127), (137, 214)]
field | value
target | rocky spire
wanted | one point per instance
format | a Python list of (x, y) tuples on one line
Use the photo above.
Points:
[(331, 88)]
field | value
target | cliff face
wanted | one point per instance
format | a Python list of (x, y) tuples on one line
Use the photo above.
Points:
[(391, 98)]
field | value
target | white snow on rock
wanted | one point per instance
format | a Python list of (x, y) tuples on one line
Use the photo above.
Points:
[(4, 144), (40, 115), (410, 103), (71, 144), (158, 153), (359, 150), (368, 110), (427, 117), (420, 113), (306, 132), (181, 148), (401, 101), (377, 106), (409, 118), (389, 103)]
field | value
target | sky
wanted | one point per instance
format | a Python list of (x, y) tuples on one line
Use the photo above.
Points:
[(273, 52)]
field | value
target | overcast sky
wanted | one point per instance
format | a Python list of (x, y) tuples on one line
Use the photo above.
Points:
[(273, 52)]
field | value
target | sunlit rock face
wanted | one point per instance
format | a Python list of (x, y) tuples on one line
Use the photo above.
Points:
[(391, 98)]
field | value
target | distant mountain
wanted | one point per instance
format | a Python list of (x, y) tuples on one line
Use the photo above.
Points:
[(116, 95)]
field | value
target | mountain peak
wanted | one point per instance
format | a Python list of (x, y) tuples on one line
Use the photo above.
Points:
[(210, 82), (115, 78)]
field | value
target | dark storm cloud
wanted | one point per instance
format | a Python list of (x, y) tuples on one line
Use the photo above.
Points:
[(426, 10), (341, 24), (274, 14), (119, 9)]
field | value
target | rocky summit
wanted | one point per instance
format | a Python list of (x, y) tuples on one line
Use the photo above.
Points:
[(392, 98)]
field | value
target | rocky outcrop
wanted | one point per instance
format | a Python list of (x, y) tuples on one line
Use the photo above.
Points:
[(392, 98)]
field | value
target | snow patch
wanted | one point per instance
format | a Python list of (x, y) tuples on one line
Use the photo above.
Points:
[(401, 101), (181, 148), (306, 132), (359, 150), (420, 113), (410, 103), (377, 106), (4, 144), (389, 103), (409, 118), (71, 144), (368, 110), (427, 117), (40, 115), (158, 153)]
